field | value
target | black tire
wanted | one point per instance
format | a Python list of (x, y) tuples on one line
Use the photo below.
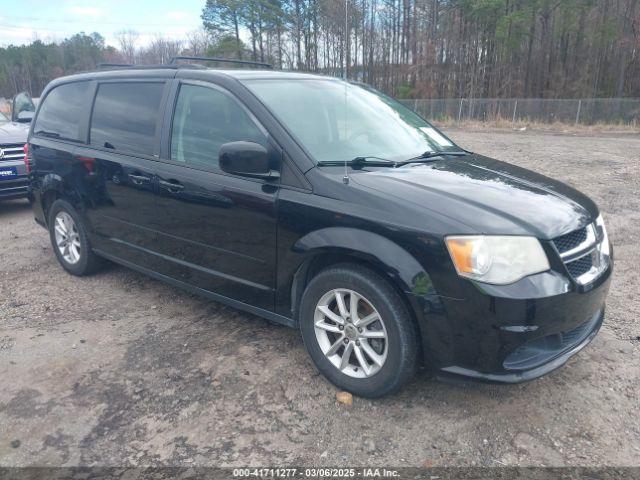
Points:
[(88, 262), (402, 344)]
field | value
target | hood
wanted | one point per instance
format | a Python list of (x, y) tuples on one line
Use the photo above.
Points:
[(11, 132), (486, 195)]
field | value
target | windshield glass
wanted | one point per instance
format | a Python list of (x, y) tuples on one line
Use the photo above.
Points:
[(338, 121), (3, 117)]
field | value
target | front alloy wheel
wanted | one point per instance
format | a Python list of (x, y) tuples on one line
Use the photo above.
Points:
[(351, 333), (358, 330)]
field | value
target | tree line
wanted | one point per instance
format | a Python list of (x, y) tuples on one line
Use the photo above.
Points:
[(409, 48), (448, 48), (30, 67)]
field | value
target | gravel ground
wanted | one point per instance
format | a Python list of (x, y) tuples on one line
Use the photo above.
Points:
[(119, 370)]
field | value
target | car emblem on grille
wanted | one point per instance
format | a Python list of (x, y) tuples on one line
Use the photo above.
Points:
[(1, 153)]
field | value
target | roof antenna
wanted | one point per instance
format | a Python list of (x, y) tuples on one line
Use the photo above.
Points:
[(345, 179)]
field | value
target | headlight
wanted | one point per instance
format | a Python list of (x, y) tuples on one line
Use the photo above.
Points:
[(603, 237), (496, 259)]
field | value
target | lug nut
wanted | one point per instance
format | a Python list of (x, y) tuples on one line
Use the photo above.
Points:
[(341, 327), (346, 340), (360, 329), (358, 342)]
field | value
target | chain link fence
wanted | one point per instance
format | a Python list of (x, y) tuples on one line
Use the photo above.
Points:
[(622, 111)]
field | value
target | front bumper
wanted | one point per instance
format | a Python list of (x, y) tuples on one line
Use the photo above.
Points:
[(553, 360), (17, 187), (514, 333)]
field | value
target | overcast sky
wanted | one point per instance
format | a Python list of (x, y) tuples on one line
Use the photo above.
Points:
[(22, 21)]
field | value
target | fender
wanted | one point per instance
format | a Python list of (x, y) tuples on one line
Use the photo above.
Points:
[(400, 267), (56, 183), (372, 247), (53, 182), (388, 257), (46, 184)]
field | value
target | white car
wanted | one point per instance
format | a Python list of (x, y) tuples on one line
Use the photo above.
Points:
[(13, 136)]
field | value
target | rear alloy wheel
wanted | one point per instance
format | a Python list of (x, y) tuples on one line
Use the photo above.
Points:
[(70, 241), (358, 331), (67, 237)]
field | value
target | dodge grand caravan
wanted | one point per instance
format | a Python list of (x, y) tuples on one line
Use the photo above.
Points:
[(325, 206)]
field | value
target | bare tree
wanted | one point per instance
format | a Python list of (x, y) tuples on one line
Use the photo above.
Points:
[(127, 39), (160, 50), (198, 42)]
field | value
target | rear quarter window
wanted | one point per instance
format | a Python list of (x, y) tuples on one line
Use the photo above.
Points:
[(125, 117), (62, 112)]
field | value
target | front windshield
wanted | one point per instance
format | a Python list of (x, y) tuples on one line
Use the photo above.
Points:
[(339, 121), (3, 117)]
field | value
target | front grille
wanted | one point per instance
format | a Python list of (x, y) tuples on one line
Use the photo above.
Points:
[(580, 251), (570, 240), (580, 266), (13, 151)]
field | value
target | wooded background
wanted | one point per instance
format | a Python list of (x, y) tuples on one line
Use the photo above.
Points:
[(409, 48)]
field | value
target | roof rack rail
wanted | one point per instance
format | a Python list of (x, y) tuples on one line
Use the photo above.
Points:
[(111, 65), (126, 66), (174, 60)]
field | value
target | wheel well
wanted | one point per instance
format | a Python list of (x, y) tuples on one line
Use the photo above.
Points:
[(323, 261), (47, 200)]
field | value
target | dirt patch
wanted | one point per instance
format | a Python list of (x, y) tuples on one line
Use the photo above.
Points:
[(118, 369)]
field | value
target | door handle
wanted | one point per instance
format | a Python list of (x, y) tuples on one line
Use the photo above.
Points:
[(139, 179), (173, 187)]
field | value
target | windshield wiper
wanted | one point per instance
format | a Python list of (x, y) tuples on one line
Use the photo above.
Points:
[(359, 161), (372, 161), (429, 154)]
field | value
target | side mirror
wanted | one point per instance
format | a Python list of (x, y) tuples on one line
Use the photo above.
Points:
[(21, 104), (248, 159), (25, 117)]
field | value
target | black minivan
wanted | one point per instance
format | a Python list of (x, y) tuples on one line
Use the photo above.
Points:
[(326, 206)]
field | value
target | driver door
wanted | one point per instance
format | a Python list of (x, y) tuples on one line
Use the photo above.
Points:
[(217, 231)]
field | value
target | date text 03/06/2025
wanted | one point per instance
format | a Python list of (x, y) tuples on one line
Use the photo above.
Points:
[(328, 472)]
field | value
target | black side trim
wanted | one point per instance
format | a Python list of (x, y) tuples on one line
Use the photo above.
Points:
[(192, 265), (199, 244), (274, 317)]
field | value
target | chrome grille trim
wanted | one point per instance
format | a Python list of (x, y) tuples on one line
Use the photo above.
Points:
[(598, 265), (14, 151), (577, 268), (585, 262), (584, 248), (570, 240)]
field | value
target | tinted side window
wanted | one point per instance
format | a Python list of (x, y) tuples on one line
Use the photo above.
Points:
[(205, 119), (62, 112), (125, 116)]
